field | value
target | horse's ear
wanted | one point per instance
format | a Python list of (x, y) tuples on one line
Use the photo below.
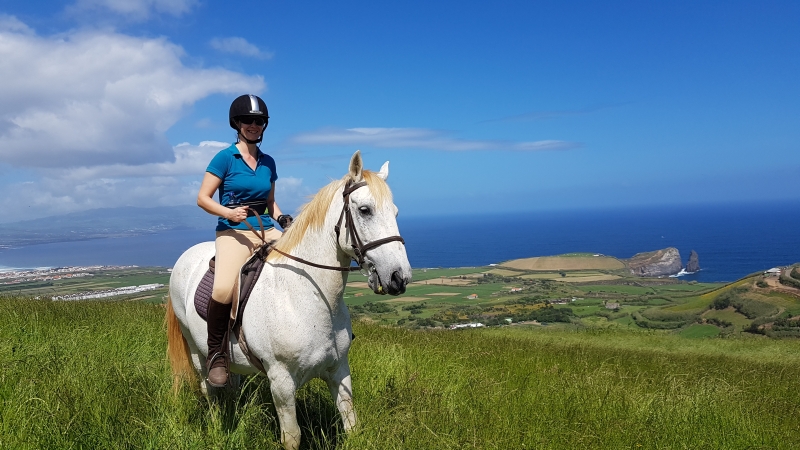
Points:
[(356, 165), (384, 173)]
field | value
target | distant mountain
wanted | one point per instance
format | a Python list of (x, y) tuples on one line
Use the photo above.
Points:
[(103, 223)]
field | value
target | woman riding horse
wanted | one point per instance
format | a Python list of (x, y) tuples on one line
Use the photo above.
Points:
[(245, 178)]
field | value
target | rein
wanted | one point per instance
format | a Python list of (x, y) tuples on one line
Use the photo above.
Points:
[(320, 266), (359, 247)]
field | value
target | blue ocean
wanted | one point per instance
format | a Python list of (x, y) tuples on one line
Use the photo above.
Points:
[(732, 240)]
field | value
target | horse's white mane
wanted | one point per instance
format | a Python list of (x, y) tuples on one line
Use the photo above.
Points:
[(312, 214)]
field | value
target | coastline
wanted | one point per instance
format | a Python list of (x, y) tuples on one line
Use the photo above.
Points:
[(730, 243)]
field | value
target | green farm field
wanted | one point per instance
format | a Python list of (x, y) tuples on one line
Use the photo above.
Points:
[(90, 374), (730, 315), (98, 280), (784, 300), (573, 261)]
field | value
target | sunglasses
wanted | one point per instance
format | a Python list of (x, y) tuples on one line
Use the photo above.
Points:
[(249, 120)]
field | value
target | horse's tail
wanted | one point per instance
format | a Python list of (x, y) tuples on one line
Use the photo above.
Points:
[(178, 351)]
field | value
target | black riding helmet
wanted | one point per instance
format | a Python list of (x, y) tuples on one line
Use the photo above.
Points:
[(248, 106)]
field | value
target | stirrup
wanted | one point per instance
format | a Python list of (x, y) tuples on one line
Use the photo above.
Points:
[(225, 367)]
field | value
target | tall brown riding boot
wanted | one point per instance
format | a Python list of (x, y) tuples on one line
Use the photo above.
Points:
[(217, 360)]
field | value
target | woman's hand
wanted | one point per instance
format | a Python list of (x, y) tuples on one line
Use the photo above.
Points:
[(206, 201), (237, 215)]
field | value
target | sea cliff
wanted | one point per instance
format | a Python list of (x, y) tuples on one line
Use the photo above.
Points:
[(694, 263), (659, 263)]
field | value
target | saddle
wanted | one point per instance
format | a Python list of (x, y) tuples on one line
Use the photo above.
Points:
[(248, 275)]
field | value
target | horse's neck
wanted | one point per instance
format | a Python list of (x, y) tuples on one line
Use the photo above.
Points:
[(320, 246)]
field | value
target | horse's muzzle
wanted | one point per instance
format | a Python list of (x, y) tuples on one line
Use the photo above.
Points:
[(397, 285)]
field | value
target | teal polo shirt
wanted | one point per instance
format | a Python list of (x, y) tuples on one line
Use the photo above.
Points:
[(242, 184)]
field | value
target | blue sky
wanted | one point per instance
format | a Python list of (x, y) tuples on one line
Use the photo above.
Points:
[(480, 106)]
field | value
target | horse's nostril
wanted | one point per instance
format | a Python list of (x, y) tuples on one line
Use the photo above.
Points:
[(397, 283), (397, 279)]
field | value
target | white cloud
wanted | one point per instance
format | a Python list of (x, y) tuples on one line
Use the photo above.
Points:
[(12, 24), (290, 193), (187, 160), (62, 193), (204, 123), (421, 138), (239, 46), (96, 98), (137, 9), (64, 190)]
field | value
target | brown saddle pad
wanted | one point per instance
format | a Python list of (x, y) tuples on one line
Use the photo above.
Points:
[(247, 277), (203, 294)]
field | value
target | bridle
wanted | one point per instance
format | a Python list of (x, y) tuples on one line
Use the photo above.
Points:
[(359, 247)]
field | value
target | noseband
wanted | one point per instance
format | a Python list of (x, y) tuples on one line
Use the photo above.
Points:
[(359, 247)]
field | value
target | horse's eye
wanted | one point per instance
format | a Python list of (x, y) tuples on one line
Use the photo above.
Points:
[(365, 210)]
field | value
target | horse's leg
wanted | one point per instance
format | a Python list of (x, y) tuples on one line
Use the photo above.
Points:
[(235, 380), (283, 387), (199, 363), (341, 387)]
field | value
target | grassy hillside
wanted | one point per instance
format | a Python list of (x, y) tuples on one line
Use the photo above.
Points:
[(93, 375)]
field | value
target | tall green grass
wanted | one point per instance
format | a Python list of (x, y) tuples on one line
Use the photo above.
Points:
[(93, 375)]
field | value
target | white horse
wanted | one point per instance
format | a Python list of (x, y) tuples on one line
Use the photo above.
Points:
[(296, 322)]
